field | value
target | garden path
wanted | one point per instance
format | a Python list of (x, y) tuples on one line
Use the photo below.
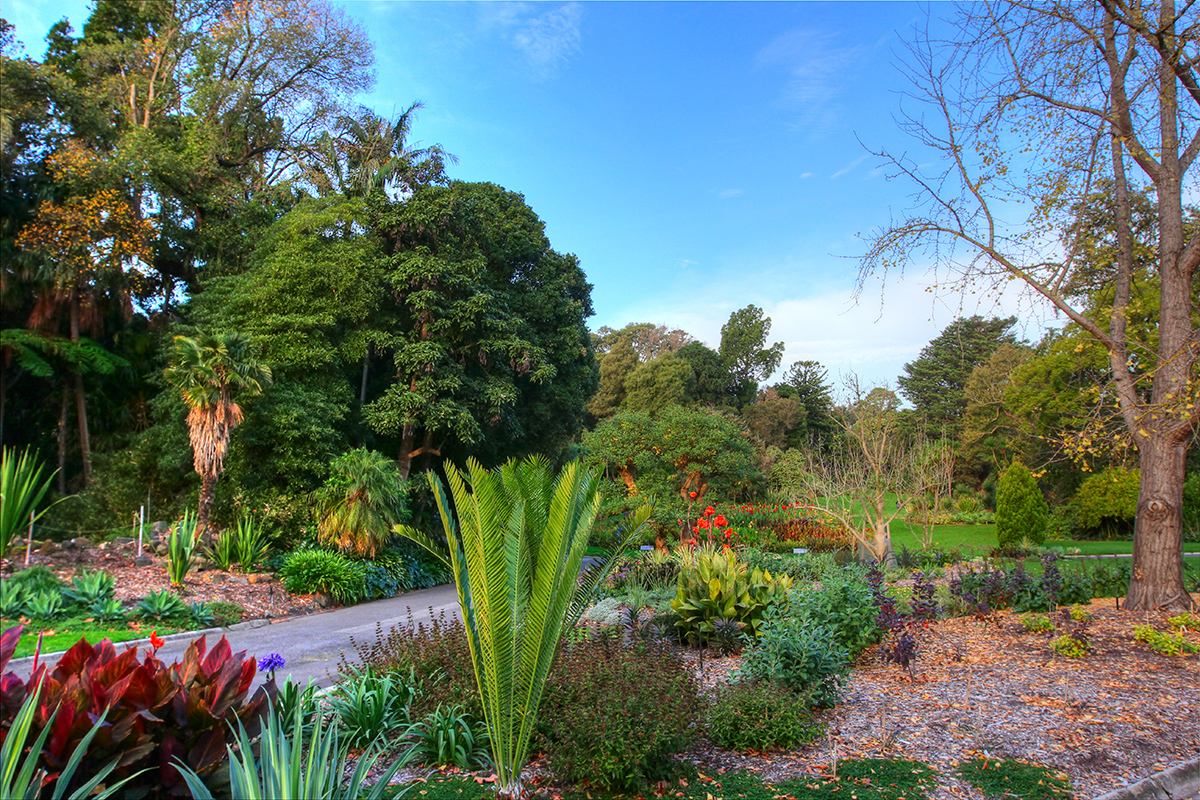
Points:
[(312, 644)]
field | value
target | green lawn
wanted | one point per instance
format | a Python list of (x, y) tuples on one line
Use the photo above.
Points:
[(62, 636), (982, 538)]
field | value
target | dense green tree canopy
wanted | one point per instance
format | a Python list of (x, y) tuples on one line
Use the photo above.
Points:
[(745, 353)]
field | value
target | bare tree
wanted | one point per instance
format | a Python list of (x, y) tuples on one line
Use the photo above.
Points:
[(866, 483), (934, 465), (1030, 110)]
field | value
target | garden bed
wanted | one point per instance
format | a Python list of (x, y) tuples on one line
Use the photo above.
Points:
[(989, 688)]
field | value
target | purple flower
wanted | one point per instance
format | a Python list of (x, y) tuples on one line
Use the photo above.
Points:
[(271, 662)]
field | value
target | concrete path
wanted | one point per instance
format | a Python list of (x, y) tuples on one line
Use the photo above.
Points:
[(313, 644)]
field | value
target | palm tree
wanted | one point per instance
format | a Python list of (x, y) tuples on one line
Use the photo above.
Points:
[(516, 539), (361, 502), (209, 372)]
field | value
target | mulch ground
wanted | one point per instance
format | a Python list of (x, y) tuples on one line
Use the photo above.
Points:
[(987, 687), (260, 594)]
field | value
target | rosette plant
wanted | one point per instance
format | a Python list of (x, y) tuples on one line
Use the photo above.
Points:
[(516, 538)]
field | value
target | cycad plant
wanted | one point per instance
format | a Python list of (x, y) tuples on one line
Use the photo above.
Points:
[(516, 538), (22, 489), (361, 502)]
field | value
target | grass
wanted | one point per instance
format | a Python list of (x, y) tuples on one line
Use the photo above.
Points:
[(59, 636), (982, 538), (1014, 779), (865, 779)]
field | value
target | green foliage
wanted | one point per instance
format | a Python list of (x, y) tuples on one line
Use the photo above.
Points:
[(249, 543), (1104, 506), (368, 706), (1021, 511), (1078, 614), (312, 571), (290, 759), (1191, 508), (23, 487), (36, 579), (223, 550), (225, 613), (1000, 779), (12, 599), (761, 716), (90, 586), (448, 737), (361, 501), (182, 541), (1037, 623), (614, 716), (201, 614), (935, 381), (793, 653), (108, 610), (1185, 621), (516, 539), (745, 353), (657, 383), (162, 606), (1069, 646), (45, 605), (844, 605), (1168, 644), (716, 585)]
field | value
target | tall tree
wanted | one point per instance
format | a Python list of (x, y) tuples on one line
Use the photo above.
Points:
[(211, 372), (934, 381), (745, 353), (1012, 125), (808, 382)]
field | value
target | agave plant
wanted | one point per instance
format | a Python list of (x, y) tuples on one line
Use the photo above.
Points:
[(12, 599), (516, 538), (22, 489), (290, 760), (249, 543), (223, 550), (90, 586)]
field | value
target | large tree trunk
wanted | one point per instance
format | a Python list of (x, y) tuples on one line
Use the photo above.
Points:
[(208, 489), (81, 415), (1157, 580)]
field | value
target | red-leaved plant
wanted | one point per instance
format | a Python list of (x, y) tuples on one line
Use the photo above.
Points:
[(155, 712)]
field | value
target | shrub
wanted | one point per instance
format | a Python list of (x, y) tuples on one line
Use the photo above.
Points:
[(181, 548), (447, 737), (614, 716), (361, 501), (1191, 508), (36, 579), (761, 716), (1104, 506), (1079, 614), (1070, 646), (369, 706), (1037, 623), (1021, 511), (156, 713), (90, 586), (379, 583), (715, 585), (792, 652), (162, 606), (844, 605), (435, 653), (225, 614), (1168, 644), (201, 614), (1184, 621), (293, 700), (321, 571)]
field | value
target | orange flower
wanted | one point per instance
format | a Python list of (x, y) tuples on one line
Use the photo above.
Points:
[(156, 641), (720, 521), (708, 512), (693, 495)]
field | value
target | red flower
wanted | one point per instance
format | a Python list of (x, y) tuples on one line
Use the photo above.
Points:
[(784, 507), (720, 521), (728, 532), (156, 640), (708, 512), (692, 495), (702, 523), (725, 547)]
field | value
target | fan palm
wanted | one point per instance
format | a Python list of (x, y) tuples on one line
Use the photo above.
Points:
[(361, 502), (209, 372), (517, 538)]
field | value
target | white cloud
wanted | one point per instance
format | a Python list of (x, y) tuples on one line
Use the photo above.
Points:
[(727, 194), (546, 36), (814, 65), (871, 336), (849, 167)]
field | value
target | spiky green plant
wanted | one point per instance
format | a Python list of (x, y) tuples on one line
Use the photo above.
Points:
[(290, 760), (249, 543), (223, 550), (516, 538), (363, 498), (181, 547), (22, 490)]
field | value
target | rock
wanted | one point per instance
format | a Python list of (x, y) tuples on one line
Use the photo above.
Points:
[(324, 600), (257, 578), (159, 529), (121, 541), (47, 548), (143, 561), (80, 542)]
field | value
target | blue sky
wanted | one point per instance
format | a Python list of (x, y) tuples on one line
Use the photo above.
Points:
[(696, 156)]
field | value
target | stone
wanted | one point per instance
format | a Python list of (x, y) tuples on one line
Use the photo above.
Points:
[(143, 561), (47, 548), (121, 541), (80, 542)]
